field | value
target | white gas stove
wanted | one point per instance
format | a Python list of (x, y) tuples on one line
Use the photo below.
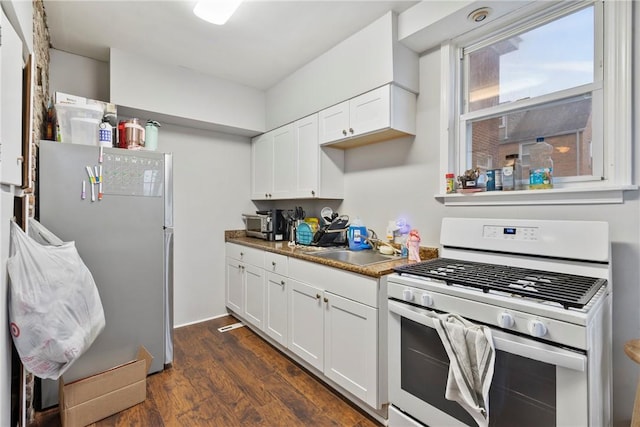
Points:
[(542, 286)]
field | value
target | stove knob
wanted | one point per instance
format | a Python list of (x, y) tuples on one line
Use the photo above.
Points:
[(426, 300), (537, 329), (505, 320), (407, 295)]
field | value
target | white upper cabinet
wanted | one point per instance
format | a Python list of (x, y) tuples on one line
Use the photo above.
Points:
[(262, 166), (284, 172), (334, 123), (307, 156), (319, 171), (272, 165), (11, 66), (288, 163), (381, 114)]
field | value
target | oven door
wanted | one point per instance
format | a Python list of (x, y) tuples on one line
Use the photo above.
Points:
[(534, 384)]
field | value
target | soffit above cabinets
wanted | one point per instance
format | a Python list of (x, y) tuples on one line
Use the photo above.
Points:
[(429, 23)]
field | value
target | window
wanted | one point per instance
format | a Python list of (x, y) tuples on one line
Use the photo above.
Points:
[(553, 71)]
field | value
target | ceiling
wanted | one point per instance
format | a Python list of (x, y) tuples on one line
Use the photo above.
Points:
[(262, 43)]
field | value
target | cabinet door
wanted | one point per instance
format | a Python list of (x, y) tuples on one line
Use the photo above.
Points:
[(333, 123), (284, 159), (234, 296), (276, 308), (254, 295), (307, 155), (262, 166), (306, 323), (10, 104), (351, 346), (370, 111)]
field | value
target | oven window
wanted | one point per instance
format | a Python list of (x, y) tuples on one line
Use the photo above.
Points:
[(523, 391)]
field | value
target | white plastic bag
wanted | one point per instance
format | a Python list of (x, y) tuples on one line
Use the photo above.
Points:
[(54, 306)]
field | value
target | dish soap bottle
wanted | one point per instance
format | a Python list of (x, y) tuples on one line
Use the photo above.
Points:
[(541, 173), (357, 236)]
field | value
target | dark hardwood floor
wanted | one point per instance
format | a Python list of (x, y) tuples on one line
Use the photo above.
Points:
[(231, 379)]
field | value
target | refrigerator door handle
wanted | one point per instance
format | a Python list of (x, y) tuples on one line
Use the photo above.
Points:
[(168, 292), (168, 190)]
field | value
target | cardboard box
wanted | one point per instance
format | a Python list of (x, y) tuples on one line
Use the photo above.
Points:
[(91, 399), (65, 98)]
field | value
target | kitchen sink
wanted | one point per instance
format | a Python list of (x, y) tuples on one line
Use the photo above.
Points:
[(360, 258)]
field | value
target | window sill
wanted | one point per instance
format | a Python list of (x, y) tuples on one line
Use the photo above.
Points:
[(555, 196)]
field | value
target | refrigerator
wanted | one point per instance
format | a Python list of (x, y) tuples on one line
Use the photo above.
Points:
[(123, 231)]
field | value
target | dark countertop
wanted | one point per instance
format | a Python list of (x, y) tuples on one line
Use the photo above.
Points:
[(373, 270)]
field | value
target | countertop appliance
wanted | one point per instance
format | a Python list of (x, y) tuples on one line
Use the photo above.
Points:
[(544, 289), (267, 225), (126, 241), (258, 225)]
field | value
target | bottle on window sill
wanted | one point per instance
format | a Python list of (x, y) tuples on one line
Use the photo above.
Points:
[(512, 173), (541, 173)]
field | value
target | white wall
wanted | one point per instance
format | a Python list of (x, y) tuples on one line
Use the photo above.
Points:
[(211, 188), (144, 84), (92, 82), (358, 64), (399, 179)]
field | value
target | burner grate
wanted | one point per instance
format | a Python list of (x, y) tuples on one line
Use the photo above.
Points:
[(567, 289)]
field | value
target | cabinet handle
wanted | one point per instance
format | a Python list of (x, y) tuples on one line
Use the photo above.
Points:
[(313, 193), (326, 299), (273, 263), (317, 296), (282, 282), (266, 195), (239, 267), (344, 132), (351, 130)]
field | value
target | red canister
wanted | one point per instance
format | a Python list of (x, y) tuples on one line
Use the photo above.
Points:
[(122, 140)]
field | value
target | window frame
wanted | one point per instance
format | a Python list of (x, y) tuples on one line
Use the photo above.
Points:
[(614, 31)]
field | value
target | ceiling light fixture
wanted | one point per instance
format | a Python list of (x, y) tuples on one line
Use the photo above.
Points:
[(216, 11), (479, 15)]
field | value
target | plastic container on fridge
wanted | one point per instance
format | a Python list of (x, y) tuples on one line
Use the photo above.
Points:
[(68, 116), (85, 131)]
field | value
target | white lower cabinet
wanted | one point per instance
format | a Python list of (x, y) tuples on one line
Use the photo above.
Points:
[(306, 323), (351, 346), (327, 317), (254, 295), (244, 287), (234, 291), (277, 311)]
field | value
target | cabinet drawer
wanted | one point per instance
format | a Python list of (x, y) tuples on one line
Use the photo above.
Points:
[(344, 283), (245, 254), (276, 263)]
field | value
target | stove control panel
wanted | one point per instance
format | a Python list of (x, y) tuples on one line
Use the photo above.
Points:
[(510, 233)]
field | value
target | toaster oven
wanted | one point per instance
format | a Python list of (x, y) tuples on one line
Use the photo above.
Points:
[(258, 225), (267, 225)]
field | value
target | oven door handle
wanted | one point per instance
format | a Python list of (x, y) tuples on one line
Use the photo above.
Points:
[(504, 341)]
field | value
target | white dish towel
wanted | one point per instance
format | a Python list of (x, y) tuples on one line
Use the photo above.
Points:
[(471, 362)]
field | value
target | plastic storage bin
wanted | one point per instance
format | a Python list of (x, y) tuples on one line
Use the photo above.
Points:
[(78, 123), (84, 130)]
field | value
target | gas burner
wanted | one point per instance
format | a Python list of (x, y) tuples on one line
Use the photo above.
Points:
[(568, 290)]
